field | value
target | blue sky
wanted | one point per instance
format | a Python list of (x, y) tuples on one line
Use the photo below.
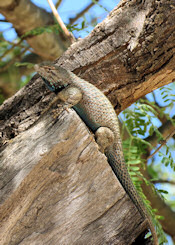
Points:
[(68, 9)]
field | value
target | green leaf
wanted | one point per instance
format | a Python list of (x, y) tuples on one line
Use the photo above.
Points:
[(135, 168), (83, 24), (166, 100), (41, 30), (160, 217), (151, 130), (167, 149), (163, 191), (138, 161), (29, 65), (165, 96)]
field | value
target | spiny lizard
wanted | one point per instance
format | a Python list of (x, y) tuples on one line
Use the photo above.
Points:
[(98, 114)]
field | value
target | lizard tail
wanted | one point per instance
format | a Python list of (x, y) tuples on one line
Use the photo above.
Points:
[(118, 165)]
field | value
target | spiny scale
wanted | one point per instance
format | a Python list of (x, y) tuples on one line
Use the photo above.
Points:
[(96, 111)]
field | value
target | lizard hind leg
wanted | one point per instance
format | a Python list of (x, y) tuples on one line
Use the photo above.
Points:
[(104, 138)]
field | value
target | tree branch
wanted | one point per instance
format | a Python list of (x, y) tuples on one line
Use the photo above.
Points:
[(167, 130), (162, 144), (60, 22), (80, 14), (163, 209), (157, 108), (164, 181), (19, 13), (104, 68), (58, 3), (119, 68)]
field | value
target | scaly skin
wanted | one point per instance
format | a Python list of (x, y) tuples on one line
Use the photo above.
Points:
[(98, 113)]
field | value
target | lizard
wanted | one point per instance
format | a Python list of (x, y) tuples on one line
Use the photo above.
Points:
[(99, 115)]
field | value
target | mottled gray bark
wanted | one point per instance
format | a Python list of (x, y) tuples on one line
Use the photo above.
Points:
[(57, 188)]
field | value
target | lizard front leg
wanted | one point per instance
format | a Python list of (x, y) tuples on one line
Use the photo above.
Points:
[(69, 96)]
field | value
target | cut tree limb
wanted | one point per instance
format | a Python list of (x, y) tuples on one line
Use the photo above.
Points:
[(59, 189)]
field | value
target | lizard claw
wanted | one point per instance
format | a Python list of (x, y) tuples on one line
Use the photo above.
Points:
[(60, 108)]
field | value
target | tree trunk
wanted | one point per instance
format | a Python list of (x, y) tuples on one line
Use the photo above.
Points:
[(59, 189), (56, 187)]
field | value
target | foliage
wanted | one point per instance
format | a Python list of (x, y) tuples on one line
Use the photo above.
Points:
[(133, 156), (140, 121), (27, 64), (13, 53), (55, 28)]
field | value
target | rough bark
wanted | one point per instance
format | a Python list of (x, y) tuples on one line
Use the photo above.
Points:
[(128, 55), (57, 188)]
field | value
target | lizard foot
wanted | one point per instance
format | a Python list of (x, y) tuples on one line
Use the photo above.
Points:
[(60, 108)]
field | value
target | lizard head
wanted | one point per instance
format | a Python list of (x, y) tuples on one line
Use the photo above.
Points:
[(56, 78)]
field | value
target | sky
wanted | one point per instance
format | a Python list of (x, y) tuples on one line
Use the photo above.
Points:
[(68, 9)]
